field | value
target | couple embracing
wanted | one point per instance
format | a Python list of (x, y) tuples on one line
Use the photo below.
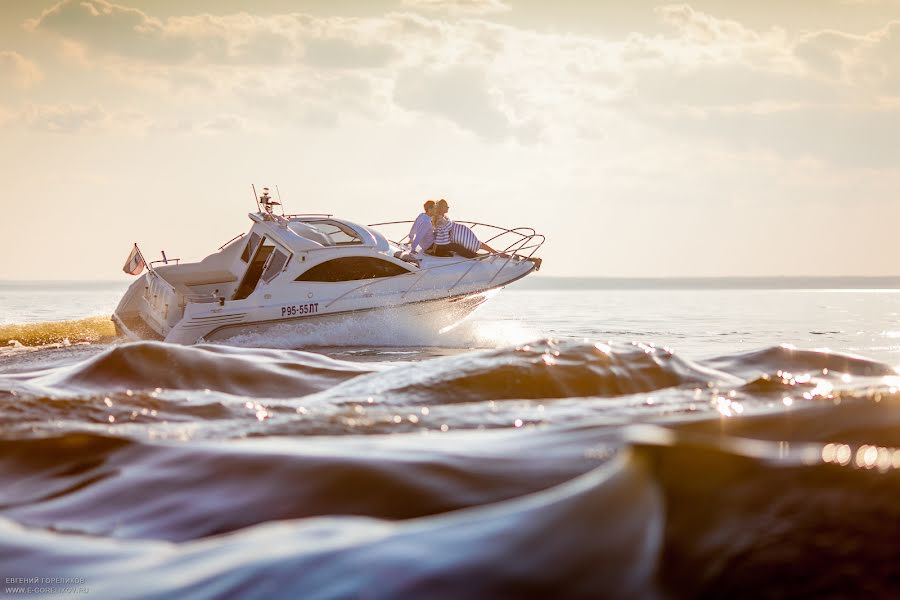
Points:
[(434, 233)]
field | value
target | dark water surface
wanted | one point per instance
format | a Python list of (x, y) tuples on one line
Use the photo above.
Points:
[(557, 446)]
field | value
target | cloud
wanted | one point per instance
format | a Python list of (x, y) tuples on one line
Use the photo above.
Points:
[(827, 53), (68, 118), (731, 88), (18, 71), (226, 123), (843, 136), (703, 28), (459, 94), (869, 60), (64, 118), (306, 96), (460, 7), (878, 59), (111, 29), (498, 81), (336, 53)]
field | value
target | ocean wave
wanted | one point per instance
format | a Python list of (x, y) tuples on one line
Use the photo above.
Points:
[(785, 358), (670, 514), (538, 370), (152, 365), (153, 390), (76, 483)]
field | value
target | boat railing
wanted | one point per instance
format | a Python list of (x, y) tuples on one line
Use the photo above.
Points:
[(522, 248), (166, 261), (237, 237), (493, 232)]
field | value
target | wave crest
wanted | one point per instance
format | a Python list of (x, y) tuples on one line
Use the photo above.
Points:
[(150, 365)]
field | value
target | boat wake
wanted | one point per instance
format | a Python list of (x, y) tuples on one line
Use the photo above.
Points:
[(385, 330), (56, 333)]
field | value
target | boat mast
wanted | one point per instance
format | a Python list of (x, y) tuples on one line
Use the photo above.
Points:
[(255, 197)]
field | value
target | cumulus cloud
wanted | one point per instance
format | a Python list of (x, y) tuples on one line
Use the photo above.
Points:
[(869, 60), (18, 71), (827, 53), (495, 80), (704, 28), (812, 97), (877, 61), (106, 28), (460, 7)]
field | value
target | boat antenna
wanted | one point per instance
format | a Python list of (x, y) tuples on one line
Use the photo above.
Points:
[(277, 191), (255, 197)]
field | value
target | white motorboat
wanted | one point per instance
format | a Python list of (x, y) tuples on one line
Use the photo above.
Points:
[(299, 269)]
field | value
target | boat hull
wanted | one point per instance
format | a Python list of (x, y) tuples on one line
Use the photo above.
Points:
[(432, 316), (423, 317)]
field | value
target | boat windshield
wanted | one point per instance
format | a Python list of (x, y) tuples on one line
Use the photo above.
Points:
[(328, 233)]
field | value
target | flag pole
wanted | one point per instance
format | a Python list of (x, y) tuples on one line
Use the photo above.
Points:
[(143, 260)]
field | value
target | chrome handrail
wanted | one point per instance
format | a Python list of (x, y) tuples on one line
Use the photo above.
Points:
[(473, 224), (237, 237), (509, 252)]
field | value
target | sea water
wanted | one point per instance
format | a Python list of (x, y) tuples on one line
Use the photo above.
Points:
[(567, 443)]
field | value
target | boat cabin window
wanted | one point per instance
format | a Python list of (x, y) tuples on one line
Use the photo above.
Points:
[(275, 265), (250, 247), (352, 268)]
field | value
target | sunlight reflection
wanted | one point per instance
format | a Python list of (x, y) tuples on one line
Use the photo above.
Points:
[(726, 406), (892, 381), (866, 456)]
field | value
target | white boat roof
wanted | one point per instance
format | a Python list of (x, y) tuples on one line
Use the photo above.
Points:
[(311, 232)]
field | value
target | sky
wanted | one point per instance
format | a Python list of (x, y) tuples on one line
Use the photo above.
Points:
[(643, 138)]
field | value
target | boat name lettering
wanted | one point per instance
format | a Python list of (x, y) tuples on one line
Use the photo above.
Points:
[(299, 309)]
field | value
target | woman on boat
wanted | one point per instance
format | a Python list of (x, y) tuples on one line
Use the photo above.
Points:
[(454, 238)]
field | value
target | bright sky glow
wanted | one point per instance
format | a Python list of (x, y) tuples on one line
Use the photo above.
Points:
[(644, 138)]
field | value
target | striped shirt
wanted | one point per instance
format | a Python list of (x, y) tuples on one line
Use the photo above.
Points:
[(442, 233), (465, 237)]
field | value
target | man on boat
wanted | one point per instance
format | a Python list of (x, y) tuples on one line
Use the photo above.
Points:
[(421, 235)]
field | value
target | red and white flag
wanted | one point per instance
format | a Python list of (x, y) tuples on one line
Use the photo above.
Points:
[(135, 263)]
